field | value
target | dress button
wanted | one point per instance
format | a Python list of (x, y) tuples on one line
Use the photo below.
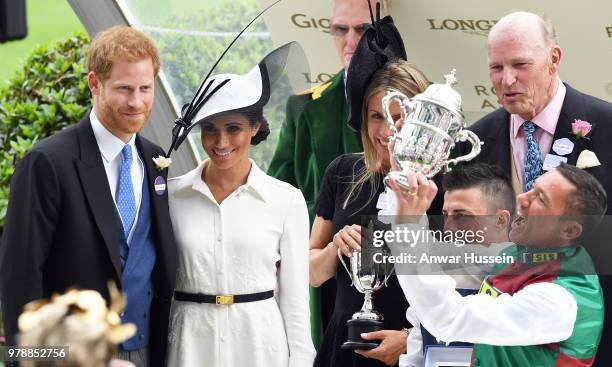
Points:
[(223, 339), (141, 337), (476, 362)]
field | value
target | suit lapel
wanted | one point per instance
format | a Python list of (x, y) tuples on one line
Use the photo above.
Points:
[(147, 152), (496, 148), (573, 108), (95, 186), (161, 226)]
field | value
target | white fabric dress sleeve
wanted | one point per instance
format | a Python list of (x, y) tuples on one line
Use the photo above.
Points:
[(293, 283), (540, 313)]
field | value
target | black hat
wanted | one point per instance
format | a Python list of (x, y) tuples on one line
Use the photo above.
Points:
[(380, 43)]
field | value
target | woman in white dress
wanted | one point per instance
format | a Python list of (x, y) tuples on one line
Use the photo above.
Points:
[(241, 235)]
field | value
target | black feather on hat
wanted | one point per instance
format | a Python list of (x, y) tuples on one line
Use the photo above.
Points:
[(230, 92), (380, 43)]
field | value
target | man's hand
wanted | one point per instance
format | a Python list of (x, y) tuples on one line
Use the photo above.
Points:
[(393, 344), (416, 200)]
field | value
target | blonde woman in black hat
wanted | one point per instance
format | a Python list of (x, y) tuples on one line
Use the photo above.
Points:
[(351, 187), (234, 225)]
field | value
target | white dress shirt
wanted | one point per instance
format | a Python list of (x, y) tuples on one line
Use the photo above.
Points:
[(233, 248), (110, 149)]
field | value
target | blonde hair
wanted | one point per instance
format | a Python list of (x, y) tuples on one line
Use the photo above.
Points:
[(120, 42), (397, 75)]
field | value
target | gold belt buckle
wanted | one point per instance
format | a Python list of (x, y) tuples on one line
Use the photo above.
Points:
[(225, 299)]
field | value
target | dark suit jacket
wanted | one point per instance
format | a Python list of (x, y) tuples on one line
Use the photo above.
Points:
[(494, 131), (61, 229)]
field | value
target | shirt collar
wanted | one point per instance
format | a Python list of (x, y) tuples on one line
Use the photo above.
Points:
[(110, 145), (547, 119), (257, 182)]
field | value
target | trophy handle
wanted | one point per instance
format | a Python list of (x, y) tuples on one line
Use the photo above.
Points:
[(466, 135), (405, 103), (389, 275), (345, 267)]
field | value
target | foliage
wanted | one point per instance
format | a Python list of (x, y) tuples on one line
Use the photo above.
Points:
[(188, 57), (49, 93), (48, 21)]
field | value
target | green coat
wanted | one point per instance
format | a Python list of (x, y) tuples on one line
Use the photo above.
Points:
[(314, 133)]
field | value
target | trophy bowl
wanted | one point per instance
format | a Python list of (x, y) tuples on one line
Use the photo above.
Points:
[(367, 276), (433, 123)]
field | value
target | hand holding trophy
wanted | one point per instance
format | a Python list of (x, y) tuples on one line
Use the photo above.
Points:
[(367, 276), (433, 123)]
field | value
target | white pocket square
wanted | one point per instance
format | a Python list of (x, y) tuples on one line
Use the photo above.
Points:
[(587, 159)]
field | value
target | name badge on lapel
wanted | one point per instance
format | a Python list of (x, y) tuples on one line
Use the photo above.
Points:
[(563, 146), (551, 161), (159, 185)]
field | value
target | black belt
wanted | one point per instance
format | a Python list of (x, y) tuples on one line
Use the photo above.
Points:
[(225, 299)]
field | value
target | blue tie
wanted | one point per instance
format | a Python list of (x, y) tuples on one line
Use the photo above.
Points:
[(125, 192), (533, 157)]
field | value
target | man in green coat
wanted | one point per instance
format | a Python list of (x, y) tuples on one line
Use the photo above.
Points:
[(315, 131)]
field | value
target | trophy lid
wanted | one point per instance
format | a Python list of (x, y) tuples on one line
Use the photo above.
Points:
[(443, 94)]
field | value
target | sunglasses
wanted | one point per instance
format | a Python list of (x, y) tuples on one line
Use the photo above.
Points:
[(341, 30)]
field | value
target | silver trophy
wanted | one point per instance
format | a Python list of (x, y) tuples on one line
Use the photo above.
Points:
[(367, 276), (433, 123)]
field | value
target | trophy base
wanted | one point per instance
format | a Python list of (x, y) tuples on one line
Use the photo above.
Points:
[(358, 326), (359, 345)]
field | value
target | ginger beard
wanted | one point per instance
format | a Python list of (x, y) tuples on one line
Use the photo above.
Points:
[(123, 101)]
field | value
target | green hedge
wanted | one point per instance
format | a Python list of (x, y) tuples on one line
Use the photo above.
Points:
[(49, 93)]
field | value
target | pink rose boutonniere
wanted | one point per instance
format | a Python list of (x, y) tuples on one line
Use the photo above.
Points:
[(581, 128)]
